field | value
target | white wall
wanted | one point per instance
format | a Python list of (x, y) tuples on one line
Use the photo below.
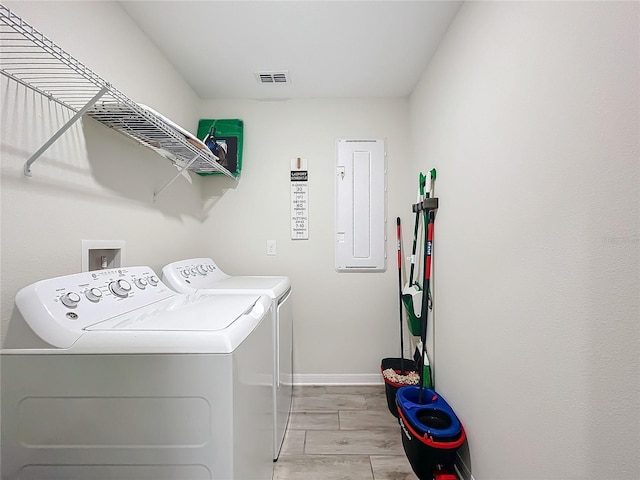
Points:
[(93, 183), (344, 322), (530, 112)]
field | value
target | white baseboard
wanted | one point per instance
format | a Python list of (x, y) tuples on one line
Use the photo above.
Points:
[(337, 379)]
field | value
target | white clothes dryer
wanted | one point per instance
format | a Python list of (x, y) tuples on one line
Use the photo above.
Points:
[(111, 374), (202, 275)]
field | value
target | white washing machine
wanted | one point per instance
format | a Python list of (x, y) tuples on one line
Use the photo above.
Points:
[(204, 276), (112, 375)]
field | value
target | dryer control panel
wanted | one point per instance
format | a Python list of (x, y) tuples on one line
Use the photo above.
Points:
[(192, 274), (59, 309), (204, 276)]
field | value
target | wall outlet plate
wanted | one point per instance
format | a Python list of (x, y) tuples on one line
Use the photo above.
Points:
[(271, 247)]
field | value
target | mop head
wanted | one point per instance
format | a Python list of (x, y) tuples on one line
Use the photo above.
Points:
[(412, 300), (426, 368), (411, 378)]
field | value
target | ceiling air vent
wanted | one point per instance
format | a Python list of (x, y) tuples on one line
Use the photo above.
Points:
[(281, 77)]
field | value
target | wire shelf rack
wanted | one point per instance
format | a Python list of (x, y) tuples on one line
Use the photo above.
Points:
[(30, 58)]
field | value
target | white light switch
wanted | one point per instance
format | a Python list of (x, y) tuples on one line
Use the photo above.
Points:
[(271, 247)]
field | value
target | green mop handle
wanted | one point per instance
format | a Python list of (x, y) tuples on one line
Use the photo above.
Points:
[(428, 218), (422, 181)]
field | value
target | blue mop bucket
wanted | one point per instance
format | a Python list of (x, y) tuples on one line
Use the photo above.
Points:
[(431, 432)]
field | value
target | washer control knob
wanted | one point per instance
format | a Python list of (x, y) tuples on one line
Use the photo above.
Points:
[(93, 294), (202, 269), (70, 299), (211, 268), (185, 273), (141, 283), (120, 288), (153, 280), (194, 271)]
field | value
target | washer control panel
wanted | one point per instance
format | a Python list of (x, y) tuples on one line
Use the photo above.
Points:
[(59, 309)]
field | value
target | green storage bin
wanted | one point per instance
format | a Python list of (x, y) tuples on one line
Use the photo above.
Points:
[(230, 132)]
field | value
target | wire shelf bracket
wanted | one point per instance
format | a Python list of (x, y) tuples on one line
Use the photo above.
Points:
[(30, 58), (180, 172), (58, 134)]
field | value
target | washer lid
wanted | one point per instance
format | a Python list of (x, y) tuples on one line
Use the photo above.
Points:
[(183, 313)]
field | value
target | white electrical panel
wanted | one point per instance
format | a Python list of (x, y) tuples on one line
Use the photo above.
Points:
[(360, 235)]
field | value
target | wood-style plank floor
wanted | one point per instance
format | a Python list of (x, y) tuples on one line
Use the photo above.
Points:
[(342, 433)]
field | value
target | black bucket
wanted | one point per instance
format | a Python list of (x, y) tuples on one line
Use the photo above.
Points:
[(392, 387), (431, 432)]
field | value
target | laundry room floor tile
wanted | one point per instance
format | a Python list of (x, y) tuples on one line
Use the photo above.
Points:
[(365, 419), (354, 442), (309, 390), (391, 468), (293, 443), (356, 389), (314, 421), (328, 403), (342, 433), (377, 402), (324, 467)]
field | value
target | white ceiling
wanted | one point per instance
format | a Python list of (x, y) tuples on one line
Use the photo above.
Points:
[(330, 48)]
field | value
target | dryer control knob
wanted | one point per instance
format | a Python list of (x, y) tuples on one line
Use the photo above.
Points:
[(70, 299), (153, 280), (120, 288), (141, 283), (194, 271), (93, 294), (185, 273), (202, 269)]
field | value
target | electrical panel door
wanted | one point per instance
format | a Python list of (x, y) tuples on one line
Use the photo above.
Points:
[(360, 236)]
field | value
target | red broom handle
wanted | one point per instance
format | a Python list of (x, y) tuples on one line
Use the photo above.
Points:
[(427, 273)]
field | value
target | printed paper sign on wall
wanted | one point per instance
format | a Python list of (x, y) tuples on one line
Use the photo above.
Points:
[(299, 199)]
